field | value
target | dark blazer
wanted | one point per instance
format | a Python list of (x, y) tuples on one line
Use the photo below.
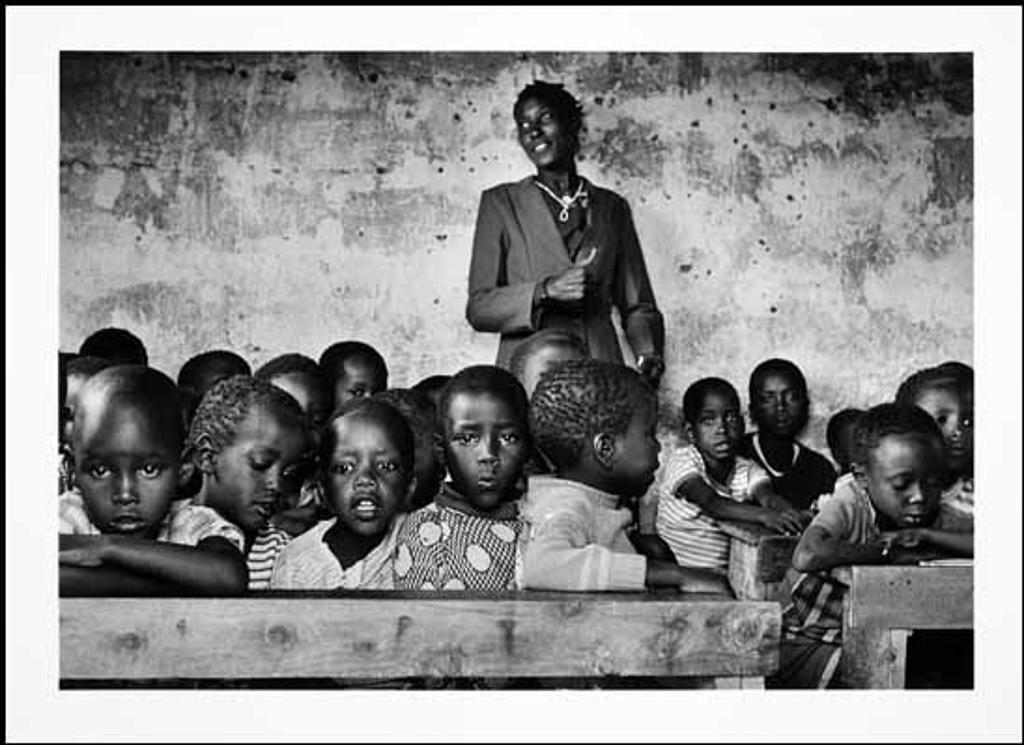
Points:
[(517, 245)]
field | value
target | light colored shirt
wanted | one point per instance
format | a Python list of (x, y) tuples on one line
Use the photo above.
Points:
[(693, 535), (576, 539), (308, 564), (186, 523)]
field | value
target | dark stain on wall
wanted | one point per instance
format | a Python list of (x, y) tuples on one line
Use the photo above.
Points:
[(872, 84), (952, 170), (630, 147), (138, 202)]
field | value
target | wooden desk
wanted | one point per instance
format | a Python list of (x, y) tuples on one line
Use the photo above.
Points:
[(376, 635), (759, 562), (885, 603)]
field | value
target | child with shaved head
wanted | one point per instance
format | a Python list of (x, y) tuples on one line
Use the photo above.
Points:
[(123, 532), (596, 423)]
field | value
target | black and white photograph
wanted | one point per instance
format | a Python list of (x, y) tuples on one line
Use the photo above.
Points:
[(464, 379)]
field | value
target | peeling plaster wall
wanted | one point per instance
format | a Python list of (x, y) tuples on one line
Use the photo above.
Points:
[(814, 207)]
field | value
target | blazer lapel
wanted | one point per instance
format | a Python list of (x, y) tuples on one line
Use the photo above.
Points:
[(544, 244)]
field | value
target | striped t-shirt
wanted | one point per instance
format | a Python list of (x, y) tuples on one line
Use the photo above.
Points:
[(693, 536), (265, 548)]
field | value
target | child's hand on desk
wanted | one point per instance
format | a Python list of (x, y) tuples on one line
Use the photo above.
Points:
[(786, 521), (907, 537)]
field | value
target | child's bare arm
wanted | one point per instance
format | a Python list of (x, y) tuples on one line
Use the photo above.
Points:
[(652, 546), (699, 493), (108, 581), (670, 574), (213, 567), (818, 550), (961, 544), (788, 515)]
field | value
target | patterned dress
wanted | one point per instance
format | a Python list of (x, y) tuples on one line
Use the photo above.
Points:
[(442, 548)]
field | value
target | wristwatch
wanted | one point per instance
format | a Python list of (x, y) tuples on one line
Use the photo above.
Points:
[(655, 363)]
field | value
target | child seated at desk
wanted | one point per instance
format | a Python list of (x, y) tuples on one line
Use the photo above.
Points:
[(367, 460), (301, 378), (946, 392), (707, 481), (467, 539), (779, 405), (122, 532), (898, 471), (251, 447), (596, 423)]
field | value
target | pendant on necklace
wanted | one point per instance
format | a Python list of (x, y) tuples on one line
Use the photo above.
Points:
[(563, 216)]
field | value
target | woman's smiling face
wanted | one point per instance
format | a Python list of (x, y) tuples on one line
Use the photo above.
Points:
[(545, 139)]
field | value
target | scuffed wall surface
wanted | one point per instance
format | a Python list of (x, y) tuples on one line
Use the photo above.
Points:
[(815, 207)]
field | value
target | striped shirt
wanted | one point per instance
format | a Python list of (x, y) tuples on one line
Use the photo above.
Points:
[(262, 555), (185, 523), (694, 537), (307, 563)]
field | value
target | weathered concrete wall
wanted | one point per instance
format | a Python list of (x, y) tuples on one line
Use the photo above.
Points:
[(812, 207)]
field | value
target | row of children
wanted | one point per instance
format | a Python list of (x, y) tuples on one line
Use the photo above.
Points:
[(316, 475)]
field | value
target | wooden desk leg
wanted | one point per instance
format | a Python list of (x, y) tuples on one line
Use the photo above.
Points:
[(874, 657), (741, 682)]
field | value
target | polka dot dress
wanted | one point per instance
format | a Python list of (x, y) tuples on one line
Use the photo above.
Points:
[(440, 548)]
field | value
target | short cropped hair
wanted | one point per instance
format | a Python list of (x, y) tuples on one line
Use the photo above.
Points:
[(940, 377), (115, 344), (580, 399), (776, 366), (87, 366), (544, 338), (565, 106), (840, 421), (891, 419), (693, 398), (489, 379), (219, 360), (333, 359), (432, 386), (136, 386), (229, 402), (382, 413), (286, 364)]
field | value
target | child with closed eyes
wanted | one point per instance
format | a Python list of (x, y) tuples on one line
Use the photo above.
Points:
[(249, 442)]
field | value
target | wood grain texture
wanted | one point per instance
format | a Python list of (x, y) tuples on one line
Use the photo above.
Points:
[(381, 635), (758, 562), (874, 657), (910, 597)]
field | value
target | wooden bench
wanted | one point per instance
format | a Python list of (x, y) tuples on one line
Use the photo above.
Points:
[(885, 603), (377, 635), (760, 562)]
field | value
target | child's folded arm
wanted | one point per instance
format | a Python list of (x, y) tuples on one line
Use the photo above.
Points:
[(558, 556), (819, 550), (955, 542), (213, 567), (108, 581), (694, 489)]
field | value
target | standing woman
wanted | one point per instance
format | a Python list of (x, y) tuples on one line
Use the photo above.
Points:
[(555, 251)]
